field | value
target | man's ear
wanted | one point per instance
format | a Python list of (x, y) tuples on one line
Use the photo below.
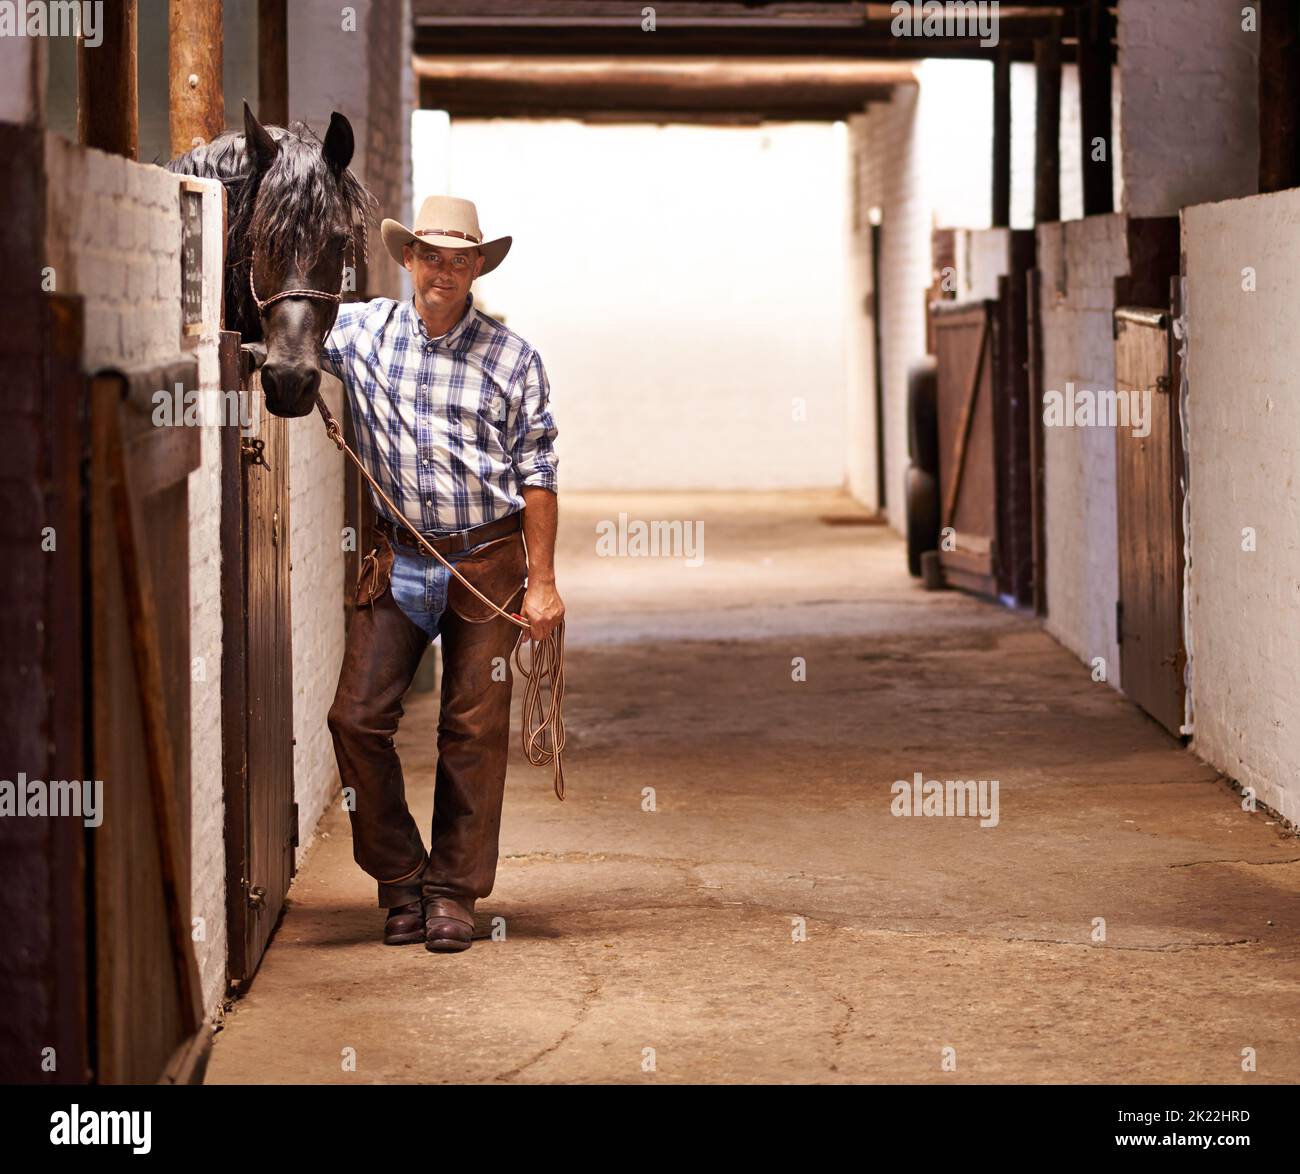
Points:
[(408, 258)]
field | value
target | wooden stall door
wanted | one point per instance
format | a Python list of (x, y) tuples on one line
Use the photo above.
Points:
[(967, 471), (1149, 616), (148, 1006), (261, 817)]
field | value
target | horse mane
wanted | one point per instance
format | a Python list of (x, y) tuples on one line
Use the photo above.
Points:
[(288, 212)]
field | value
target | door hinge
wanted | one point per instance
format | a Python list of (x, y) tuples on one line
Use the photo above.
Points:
[(293, 825), (1163, 384), (1119, 621)]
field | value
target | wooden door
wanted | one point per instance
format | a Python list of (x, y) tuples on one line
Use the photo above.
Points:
[(967, 469), (147, 1001), (261, 816), (1148, 470)]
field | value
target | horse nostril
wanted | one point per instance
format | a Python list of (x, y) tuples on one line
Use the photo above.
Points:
[(288, 386)]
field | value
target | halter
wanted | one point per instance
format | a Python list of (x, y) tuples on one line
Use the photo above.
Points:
[(319, 294)]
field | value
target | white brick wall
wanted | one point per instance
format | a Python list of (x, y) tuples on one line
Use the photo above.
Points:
[(1243, 425), (1079, 261), (1189, 104), (316, 517), (113, 235)]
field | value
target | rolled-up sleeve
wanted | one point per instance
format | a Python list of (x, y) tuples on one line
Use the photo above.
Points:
[(531, 430)]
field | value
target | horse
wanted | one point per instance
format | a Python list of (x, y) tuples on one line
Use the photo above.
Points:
[(294, 212)]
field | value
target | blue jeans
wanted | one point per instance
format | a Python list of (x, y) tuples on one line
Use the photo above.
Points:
[(419, 586)]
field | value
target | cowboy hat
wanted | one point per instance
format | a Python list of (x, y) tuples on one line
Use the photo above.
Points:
[(450, 223)]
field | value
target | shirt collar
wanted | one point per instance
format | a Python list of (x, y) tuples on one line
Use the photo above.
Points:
[(454, 335)]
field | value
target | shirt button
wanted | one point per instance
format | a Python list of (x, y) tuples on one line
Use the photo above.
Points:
[(428, 502), (426, 460), (424, 387)]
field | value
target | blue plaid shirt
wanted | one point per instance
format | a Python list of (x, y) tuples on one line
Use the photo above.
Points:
[(452, 427)]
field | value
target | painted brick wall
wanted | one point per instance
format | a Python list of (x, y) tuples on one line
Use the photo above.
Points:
[(1189, 104), (316, 585), (1243, 427), (113, 236), (1079, 261)]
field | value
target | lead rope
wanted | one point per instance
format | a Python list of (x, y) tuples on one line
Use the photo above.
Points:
[(546, 656)]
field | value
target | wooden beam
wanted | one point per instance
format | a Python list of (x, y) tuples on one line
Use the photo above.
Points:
[(662, 88), (107, 100), (1047, 130), (273, 62), (1002, 141), (1093, 27), (196, 99), (1279, 95)]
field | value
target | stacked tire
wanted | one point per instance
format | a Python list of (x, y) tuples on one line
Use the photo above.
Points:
[(922, 485)]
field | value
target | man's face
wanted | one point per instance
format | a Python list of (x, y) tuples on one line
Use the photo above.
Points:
[(442, 277)]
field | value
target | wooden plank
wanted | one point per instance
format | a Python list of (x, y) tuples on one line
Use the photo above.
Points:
[(1002, 140), (273, 62), (973, 382), (967, 472), (1093, 28), (1034, 371), (143, 621), (234, 668), (197, 104), (1047, 129), (139, 1019), (1149, 523), (1279, 95), (107, 87)]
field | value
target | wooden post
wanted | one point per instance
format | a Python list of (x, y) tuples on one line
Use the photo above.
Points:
[(273, 62), (1279, 95), (107, 106), (1002, 140), (1094, 30), (197, 104), (1047, 130)]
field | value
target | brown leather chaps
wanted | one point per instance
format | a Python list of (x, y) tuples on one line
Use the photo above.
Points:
[(384, 648)]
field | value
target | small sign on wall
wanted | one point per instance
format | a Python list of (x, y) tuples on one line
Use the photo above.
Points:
[(191, 258)]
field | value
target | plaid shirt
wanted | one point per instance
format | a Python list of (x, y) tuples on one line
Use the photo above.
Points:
[(452, 427)]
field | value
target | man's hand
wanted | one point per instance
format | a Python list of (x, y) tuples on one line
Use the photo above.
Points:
[(542, 607)]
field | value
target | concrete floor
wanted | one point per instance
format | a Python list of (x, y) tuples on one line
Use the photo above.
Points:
[(646, 946)]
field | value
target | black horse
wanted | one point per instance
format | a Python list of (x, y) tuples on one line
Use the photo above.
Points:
[(294, 216)]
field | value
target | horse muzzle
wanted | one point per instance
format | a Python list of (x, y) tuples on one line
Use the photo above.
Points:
[(290, 388)]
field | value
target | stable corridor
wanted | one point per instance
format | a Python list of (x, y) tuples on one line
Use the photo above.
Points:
[(663, 946)]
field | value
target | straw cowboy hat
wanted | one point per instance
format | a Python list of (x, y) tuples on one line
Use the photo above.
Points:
[(450, 223)]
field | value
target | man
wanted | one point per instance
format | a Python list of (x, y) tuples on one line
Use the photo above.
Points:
[(452, 419)]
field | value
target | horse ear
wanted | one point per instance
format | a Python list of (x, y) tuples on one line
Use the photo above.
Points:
[(261, 146), (339, 143)]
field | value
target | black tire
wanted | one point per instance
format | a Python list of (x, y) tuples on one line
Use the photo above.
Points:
[(923, 415), (922, 517)]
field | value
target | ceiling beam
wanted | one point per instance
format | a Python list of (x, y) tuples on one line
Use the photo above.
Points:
[(554, 87), (832, 30)]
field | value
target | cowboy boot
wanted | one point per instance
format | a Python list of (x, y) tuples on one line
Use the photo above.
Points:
[(405, 924)]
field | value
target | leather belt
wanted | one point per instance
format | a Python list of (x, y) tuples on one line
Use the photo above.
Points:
[(452, 543)]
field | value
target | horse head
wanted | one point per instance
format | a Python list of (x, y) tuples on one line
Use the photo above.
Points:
[(296, 216)]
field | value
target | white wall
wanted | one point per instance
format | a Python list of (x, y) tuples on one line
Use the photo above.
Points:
[(684, 285), (1243, 429), (316, 599), (1189, 104), (1079, 261)]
